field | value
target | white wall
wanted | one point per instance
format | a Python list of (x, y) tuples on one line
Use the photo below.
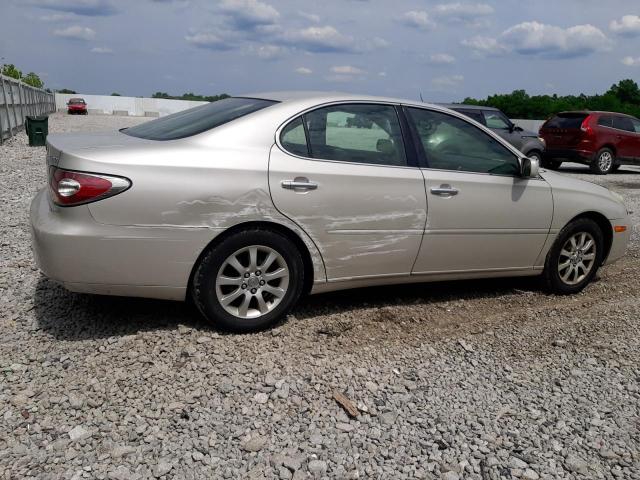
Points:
[(135, 106), (531, 125)]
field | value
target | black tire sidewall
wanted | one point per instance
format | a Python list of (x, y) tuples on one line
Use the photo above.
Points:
[(552, 277), (204, 289), (595, 164)]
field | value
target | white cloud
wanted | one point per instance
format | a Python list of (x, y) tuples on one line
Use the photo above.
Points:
[(209, 40), (447, 82), (76, 32), (249, 13), (320, 39), (347, 70), (91, 8), (101, 50), (485, 46), (304, 71), (469, 13), (268, 52), (631, 61), (417, 19), (537, 39), (441, 59), (312, 17), (58, 17), (629, 25), (533, 38)]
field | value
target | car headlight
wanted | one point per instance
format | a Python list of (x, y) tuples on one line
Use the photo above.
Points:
[(542, 141)]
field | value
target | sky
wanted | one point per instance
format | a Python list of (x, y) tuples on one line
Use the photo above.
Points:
[(444, 51)]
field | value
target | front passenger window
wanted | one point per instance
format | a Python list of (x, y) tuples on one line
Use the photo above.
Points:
[(450, 143)]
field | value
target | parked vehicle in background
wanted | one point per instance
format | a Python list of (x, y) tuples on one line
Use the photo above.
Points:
[(602, 140), (77, 106), (526, 141), (246, 203)]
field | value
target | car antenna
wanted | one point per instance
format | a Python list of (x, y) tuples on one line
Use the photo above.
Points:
[(421, 99)]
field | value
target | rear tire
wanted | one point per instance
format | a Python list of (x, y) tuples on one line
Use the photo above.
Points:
[(603, 162), (248, 281), (574, 257)]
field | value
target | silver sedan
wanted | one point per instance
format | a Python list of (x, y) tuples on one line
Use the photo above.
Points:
[(245, 204)]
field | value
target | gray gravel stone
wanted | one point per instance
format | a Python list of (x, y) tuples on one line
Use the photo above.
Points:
[(137, 389)]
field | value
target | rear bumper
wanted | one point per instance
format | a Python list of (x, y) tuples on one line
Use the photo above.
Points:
[(580, 156), (70, 247)]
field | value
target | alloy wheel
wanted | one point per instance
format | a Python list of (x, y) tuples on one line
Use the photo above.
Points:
[(252, 281), (577, 258), (605, 161)]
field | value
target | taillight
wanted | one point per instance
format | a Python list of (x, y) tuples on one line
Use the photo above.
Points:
[(69, 188), (585, 127)]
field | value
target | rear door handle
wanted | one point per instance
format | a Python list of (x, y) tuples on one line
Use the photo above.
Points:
[(444, 191), (299, 183)]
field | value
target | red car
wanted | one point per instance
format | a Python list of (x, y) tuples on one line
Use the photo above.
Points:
[(76, 106), (602, 140)]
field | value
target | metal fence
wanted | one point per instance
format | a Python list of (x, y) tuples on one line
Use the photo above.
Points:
[(17, 101)]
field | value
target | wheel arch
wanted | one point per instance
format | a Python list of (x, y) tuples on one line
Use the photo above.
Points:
[(611, 147), (273, 226), (605, 226)]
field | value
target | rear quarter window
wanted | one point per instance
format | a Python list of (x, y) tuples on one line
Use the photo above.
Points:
[(198, 119)]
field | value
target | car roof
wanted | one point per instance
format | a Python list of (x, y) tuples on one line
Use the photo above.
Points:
[(319, 97), (456, 106), (591, 112)]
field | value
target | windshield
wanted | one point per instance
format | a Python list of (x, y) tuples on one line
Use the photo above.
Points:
[(198, 119)]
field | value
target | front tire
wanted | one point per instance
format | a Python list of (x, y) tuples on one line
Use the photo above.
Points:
[(603, 162), (248, 281), (574, 257)]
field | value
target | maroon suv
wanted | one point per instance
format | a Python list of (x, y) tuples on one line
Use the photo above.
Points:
[(602, 140)]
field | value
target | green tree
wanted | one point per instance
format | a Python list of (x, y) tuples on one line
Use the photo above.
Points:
[(66, 90), (33, 80), (115, 94), (10, 70), (626, 91)]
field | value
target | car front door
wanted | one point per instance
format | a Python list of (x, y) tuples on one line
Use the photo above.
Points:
[(482, 216), (342, 173)]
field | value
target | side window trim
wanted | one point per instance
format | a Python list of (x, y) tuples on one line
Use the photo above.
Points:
[(408, 138), (422, 156), (423, 160)]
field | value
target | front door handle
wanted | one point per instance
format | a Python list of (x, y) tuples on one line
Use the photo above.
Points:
[(299, 183), (444, 191)]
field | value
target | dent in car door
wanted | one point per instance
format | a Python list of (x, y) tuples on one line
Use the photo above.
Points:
[(367, 220)]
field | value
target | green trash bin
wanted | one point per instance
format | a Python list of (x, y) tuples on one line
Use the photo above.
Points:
[(37, 130)]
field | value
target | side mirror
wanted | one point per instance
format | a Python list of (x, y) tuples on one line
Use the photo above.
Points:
[(517, 128), (529, 167)]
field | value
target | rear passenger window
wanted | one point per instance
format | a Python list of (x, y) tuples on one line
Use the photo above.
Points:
[(356, 133), (475, 114), (623, 123), (605, 121), (293, 138)]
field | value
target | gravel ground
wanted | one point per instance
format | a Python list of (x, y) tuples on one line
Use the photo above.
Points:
[(474, 380)]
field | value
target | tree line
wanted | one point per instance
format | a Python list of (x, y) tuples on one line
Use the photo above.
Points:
[(623, 97), (30, 78)]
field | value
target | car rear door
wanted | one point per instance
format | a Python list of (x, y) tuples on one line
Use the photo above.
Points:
[(343, 174), (482, 216), (625, 137)]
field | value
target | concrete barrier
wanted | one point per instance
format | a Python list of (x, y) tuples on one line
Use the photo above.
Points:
[(131, 106)]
